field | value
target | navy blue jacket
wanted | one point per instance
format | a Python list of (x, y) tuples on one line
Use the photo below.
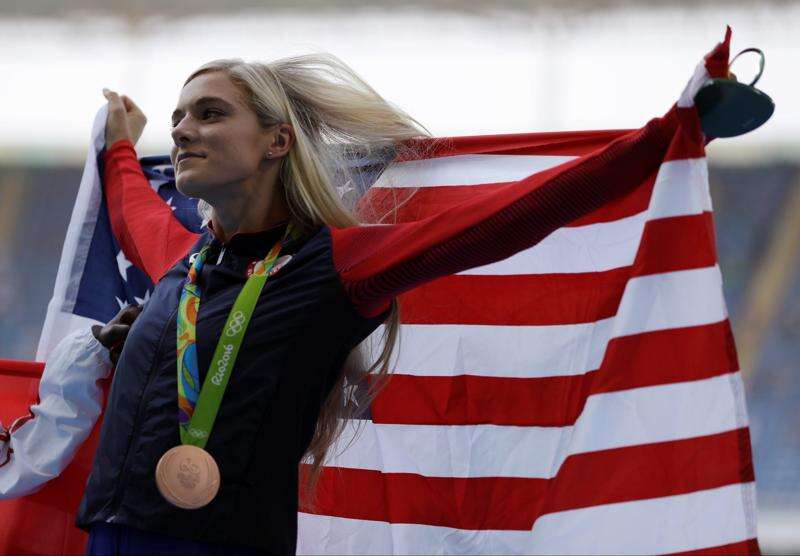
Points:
[(268, 414)]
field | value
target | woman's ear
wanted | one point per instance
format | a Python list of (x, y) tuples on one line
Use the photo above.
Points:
[(282, 140)]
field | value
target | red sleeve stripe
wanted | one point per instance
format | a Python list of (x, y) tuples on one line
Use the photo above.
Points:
[(145, 227)]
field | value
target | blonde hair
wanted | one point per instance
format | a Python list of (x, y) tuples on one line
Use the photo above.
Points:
[(336, 117)]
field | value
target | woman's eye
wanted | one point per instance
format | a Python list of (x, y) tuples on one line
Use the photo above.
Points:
[(208, 112)]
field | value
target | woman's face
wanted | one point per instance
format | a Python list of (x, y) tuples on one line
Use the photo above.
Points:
[(217, 138)]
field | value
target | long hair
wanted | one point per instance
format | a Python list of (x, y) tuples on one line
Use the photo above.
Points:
[(336, 116)]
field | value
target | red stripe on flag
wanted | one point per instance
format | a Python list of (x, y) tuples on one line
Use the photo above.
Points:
[(516, 300), (408, 204), (689, 143), (648, 359), (17, 394), (17, 367), (676, 243), (668, 244), (559, 143), (503, 503), (554, 143)]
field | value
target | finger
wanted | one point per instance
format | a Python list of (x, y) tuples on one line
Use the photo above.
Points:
[(113, 334), (109, 94), (114, 101), (129, 104), (135, 115), (128, 314)]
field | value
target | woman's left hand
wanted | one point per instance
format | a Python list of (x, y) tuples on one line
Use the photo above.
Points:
[(125, 120), (113, 334)]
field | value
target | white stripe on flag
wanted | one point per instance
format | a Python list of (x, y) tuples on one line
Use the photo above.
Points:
[(670, 300), (481, 169), (610, 420), (681, 189), (655, 302), (671, 524), (589, 248), (468, 169), (679, 523), (319, 534)]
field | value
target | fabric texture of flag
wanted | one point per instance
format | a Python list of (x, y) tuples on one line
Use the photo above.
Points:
[(582, 396)]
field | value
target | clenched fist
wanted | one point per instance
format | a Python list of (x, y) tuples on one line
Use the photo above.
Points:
[(125, 120), (113, 334)]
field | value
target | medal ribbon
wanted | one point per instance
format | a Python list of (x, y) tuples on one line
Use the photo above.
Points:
[(197, 408)]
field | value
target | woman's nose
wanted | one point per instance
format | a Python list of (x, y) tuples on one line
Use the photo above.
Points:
[(183, 133)]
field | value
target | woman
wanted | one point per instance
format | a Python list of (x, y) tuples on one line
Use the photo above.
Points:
[(260, 145)]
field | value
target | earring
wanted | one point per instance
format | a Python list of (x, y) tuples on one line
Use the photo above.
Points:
[(269, 154)]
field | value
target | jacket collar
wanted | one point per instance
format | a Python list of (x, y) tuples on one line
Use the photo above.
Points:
[(255, 244)]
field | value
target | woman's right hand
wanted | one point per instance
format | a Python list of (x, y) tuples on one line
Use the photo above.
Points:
[(125, 120), (113, 334)]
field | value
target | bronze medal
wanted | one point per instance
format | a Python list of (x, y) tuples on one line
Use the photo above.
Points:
[(187, 477)]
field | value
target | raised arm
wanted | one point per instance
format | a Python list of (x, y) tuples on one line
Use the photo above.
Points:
[(377, 263), (150, 235)]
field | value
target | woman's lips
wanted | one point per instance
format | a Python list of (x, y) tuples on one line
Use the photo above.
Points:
[(193, 157)]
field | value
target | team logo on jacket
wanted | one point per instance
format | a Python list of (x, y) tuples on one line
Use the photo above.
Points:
[(280, 263), (275, 268)]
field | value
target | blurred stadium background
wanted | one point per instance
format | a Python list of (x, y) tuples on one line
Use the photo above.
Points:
[(461, 68)]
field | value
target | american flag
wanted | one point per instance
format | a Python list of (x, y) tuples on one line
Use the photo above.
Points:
[(582, 396)]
